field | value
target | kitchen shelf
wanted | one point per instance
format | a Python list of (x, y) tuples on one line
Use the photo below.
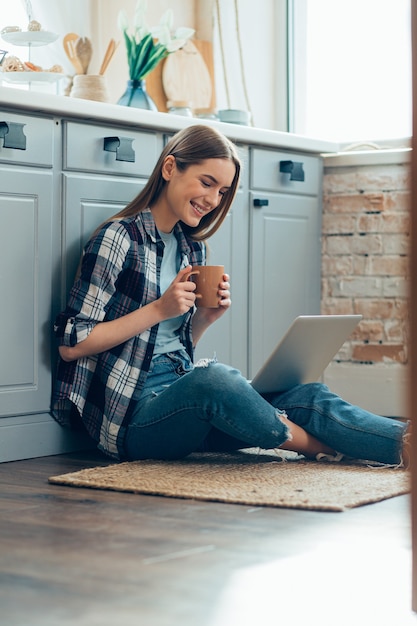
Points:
[(31, 77), (30, 38)]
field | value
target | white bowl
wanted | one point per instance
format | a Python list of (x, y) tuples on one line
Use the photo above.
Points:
[(234, 116)]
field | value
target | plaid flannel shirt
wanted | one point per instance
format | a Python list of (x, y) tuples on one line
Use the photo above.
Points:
[(120, 273)]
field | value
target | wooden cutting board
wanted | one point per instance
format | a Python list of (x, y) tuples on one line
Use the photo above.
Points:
[(187, 74), (185, 77)]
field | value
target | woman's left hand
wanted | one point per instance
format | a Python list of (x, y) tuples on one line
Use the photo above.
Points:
[(205, 316), (225, 301)]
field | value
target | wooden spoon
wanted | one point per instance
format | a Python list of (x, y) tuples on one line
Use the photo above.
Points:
[(111, 49), (84, 52), (69, 47)]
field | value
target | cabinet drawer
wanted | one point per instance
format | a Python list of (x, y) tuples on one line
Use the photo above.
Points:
[(278, 171), (26, 140), (109, 150)]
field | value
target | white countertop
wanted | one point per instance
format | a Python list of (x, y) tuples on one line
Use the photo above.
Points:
[(88, 110)]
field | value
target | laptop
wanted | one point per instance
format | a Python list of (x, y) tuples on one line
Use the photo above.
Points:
[(304, 352)]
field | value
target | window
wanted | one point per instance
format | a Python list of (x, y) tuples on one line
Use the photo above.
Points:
[(350, 63)]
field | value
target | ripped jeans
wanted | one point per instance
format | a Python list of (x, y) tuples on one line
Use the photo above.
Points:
[(185, 408)]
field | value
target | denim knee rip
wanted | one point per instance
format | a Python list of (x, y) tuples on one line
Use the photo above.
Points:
[(281, 416), (206, 362)]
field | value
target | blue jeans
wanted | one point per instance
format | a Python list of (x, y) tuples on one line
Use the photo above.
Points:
[(185, 408)]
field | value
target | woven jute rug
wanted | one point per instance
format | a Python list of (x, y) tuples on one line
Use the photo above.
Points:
[(251, 479)]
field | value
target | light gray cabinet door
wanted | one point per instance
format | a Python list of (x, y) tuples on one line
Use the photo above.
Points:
[(26, 288), (284, 269), (89, 201), (227, 338)]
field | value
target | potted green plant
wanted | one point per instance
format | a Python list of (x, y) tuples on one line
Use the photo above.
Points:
[(146, 47)]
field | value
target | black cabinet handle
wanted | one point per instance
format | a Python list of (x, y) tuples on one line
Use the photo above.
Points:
[(13, 135), (294, 169), (260, 202), (122, 146)]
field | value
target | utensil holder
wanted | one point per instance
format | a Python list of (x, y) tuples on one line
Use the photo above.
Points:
[(90, 87)]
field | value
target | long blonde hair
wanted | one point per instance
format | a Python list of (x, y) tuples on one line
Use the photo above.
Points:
[(190, 146)]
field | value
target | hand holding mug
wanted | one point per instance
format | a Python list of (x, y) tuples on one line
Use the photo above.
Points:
[(208, 280), (179, 297)]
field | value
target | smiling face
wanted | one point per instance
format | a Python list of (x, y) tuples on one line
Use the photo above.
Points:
[(190, 194)]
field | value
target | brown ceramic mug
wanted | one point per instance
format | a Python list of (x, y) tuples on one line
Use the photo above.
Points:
[(207, 279)]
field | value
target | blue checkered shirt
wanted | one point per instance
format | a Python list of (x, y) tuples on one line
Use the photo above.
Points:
[(119, 274)]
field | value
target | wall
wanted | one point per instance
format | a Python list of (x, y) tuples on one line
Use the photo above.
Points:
[(364, 270)]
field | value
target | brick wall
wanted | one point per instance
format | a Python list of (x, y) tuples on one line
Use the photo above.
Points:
[(365, 257)]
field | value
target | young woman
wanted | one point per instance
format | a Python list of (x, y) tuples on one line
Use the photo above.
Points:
[(127, 335)]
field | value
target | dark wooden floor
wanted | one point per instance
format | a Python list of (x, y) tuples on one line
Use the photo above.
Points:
[(87, 557)]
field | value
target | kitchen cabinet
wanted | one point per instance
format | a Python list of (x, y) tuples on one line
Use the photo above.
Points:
[(62, 173), (26, 192), (285, 246), (27, 152), (25, 284), (227, 339), (87, 202), (58, 182), (270, 244), (103, 170)]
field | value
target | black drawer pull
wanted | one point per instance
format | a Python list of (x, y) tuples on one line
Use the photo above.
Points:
[(260, 202), (122, 146), (294, 169), (13, 135)]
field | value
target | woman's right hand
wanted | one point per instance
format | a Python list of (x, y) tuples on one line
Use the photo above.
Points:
[(177, 300), (180, 296)]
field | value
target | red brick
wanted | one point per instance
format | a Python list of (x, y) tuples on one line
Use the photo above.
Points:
[(368, 330), (339, 245), (337, 266), (356, 287), (386, 178), (360, 265), (395, 287), (384, 223), (337, 306), (398, 201), (396, 223), (375, 308), (367, 244), (396, 243), (396, 330), (339, 183), (389, 266), (338, 224), (353, 203), (379, 353), (370, 223)]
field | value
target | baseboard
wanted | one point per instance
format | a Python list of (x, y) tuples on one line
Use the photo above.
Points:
[(31, 436), (381, 389)]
